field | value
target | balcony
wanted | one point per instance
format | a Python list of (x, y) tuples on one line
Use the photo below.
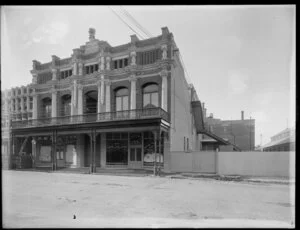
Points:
[(137, 114)]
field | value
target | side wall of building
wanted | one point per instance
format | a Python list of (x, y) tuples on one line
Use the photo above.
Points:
[(182, 128)]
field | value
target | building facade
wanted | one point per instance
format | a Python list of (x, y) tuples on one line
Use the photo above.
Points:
[(240, 133), (282, 141), (5, 129), (124, 106)]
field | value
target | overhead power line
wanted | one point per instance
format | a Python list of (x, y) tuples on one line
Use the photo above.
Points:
[(126, 23), (146, 32), (128, 15)]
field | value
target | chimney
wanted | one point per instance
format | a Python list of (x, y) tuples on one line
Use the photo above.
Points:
[(165, 31), (92, 32), (134, 38), (242, 115)]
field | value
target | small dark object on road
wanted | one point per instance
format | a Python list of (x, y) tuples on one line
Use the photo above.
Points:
[(74, 216)]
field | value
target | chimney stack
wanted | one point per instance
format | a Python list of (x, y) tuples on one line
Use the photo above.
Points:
[(242, 114), (92, 32)]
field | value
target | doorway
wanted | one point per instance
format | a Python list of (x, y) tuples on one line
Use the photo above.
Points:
[(135, 150), (135, 157)]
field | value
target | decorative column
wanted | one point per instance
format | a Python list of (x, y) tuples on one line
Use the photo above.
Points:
[(54, 103), (133, 79), (102, 63), (164, 53), (74, 68), (133, 58), (34, 105), (34, 78), (28, 105), (99, 99), (33, 146), (80, 68), (107, 63), (107, 96), (22, 104), (102, 90), (164, 90), (80, 100), (73, 98), (133, 92), (54, 74)]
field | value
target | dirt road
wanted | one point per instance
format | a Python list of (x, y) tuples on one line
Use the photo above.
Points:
[(37, 199)]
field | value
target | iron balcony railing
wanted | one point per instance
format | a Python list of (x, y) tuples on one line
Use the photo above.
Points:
[(94, 117)]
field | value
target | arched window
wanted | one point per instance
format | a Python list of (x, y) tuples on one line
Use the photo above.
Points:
[(66, 105), (122, 102), (46, 107), (150, 96), (91, 101)]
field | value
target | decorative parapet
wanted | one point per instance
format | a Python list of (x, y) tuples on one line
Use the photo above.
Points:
[(65, 61)]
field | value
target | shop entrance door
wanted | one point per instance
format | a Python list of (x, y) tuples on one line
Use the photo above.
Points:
[(60, 156), (135, 157)]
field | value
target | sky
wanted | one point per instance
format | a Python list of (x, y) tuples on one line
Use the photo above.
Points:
[(237, 57)]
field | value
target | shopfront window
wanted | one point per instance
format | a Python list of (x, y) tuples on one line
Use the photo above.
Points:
[(117, 148), (149, 149)]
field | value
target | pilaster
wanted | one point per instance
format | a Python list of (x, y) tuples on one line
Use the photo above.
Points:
[(80, 99), (34, 105), (107, 96), (54, 74), (164, 54), (80, 68), (164, 89), (54, 103), (132, 80), (108, 63), (133, 58)]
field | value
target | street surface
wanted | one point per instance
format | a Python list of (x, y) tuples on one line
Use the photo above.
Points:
[(40, 199)]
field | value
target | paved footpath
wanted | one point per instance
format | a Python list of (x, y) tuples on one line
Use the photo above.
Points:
[(40, 199)]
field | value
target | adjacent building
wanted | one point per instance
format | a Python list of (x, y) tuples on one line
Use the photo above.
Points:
[(108, 106), (282, 141), (240, 133)]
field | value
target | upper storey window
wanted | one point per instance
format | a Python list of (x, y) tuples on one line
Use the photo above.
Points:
[(148, 57), (66, 73), (122, 102), (150, 96), (91, 69), (120, 63)]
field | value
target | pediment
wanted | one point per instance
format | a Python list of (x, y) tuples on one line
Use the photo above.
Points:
[(95, 46)]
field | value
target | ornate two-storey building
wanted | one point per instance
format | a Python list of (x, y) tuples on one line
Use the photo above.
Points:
[(108, 106)]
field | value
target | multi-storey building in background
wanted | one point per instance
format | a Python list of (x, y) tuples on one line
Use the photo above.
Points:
[(241, 133), (108, 106)]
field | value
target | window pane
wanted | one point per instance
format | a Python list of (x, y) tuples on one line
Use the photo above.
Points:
[(115, 64), (138, 154), (132, 154), (151, 88), (125, 103), (154, 99), (122, 92), (118, 103), (146, 100)]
